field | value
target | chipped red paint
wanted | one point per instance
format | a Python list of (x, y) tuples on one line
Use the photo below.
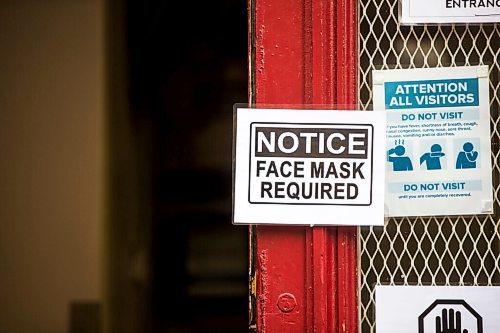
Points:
[(303, 279)]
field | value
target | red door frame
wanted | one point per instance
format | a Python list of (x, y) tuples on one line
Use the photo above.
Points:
[(303, 279)]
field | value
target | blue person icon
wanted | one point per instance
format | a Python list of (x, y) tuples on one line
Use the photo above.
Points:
[(467, 158), (399, 162), (432, 158)]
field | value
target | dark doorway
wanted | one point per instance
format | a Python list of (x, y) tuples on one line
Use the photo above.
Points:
[(187, 66)]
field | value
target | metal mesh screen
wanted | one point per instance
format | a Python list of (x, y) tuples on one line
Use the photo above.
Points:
[(447, 250)]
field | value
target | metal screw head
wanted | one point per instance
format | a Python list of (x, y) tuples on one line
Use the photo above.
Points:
[(286, 302)]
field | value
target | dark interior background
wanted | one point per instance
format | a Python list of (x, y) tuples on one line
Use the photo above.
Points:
[(186, 67)]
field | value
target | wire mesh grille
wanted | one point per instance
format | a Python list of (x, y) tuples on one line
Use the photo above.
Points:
[(447, 250)]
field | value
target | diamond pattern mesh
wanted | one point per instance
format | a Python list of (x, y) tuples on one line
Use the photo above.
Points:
[(447, 250)]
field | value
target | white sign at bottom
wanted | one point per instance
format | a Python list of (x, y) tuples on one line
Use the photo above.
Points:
[(426, 309)]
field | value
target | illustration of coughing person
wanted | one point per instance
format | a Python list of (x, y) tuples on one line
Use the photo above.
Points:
[(467, 158), (432, 159), (399, 162)]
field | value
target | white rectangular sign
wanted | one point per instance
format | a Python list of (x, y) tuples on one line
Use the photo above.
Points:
[(309, 167), (426, 309), (438, 158), (450, 11)]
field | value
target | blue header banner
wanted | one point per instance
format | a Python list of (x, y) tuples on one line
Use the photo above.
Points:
[(431, 94)]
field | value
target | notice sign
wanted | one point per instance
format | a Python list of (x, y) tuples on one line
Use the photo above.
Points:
[(450, 11), (426, 309), (438, 154), (309, 167)]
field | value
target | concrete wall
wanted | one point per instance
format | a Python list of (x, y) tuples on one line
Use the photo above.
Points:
[(52, 144)]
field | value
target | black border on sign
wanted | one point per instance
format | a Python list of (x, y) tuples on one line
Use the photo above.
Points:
[(479, 319), (308, 204)]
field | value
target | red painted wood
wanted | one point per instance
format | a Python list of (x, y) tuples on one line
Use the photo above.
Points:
[(279, 55), (347, 95), (280, 253), (305, 53)]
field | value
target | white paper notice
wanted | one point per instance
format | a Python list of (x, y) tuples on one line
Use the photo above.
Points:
[(450, 11), (425, 309), (438, 158), (309, 167)]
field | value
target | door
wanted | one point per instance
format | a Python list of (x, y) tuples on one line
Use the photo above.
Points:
[(305, 52)]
